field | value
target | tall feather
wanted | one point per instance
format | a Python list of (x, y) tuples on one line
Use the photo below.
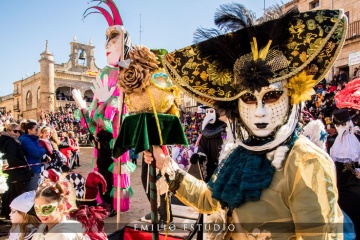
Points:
[(217, 47), (105, 13), (234, 16), (115, 12), (224, 49)]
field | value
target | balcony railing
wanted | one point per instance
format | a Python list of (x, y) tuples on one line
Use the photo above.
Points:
[(16, 107), (63, 103), (353, 30), (16, 91)]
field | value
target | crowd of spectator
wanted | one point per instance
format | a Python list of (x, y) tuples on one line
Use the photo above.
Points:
[(64, 121), (192, 125), (323, 104), (5, 116), (30, 147)]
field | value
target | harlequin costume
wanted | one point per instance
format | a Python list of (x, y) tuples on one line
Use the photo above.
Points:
[(102, 117), (271, 183)]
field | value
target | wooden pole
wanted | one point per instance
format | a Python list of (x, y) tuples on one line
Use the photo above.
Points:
[(121, 106), (153, 199)]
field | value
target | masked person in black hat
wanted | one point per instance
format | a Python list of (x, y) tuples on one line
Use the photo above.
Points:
[(345, 152), (210, 143), (271, 183)]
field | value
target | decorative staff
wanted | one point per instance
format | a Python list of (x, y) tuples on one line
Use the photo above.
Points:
[(150, 98)]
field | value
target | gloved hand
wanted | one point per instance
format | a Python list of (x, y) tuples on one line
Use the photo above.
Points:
[(101, 89), (197, 157), (78, 98), (216, 225)]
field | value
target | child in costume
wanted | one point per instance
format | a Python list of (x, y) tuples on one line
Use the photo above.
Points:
[(271, 183), (50, 207), (23, 217)]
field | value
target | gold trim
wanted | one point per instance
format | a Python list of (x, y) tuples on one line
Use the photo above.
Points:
[(341, 44), (187, 91), (314, 55), (85, 200), (178, 80)]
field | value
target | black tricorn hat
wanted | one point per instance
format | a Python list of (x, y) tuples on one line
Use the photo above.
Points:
[(341, 116), (220, 68)]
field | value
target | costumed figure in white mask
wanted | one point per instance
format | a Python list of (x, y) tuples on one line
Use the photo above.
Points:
[(210, 143), (102, 117), (345, 152), (271, 183)]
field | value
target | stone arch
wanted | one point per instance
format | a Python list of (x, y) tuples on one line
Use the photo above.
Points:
[(28, 100), (38, 94), (88, 95), (64, 93)]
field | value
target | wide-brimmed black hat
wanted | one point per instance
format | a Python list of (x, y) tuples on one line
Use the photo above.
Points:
[(341, 116), (218, 69)]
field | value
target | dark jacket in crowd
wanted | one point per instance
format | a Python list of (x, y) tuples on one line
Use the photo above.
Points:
[(15, 157), (32, 150)]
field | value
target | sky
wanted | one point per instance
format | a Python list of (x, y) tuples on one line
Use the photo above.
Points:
[(25, 25)]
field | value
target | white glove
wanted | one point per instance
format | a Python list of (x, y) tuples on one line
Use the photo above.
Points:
[(78, 98), (101, 89)]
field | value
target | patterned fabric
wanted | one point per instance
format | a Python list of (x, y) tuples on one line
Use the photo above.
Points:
[(300, 202), (316, 37), (78, 182), (349, 97), (243, 176)]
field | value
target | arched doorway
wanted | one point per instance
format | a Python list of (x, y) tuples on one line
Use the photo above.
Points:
[(64, 93), (88, 95), (28, 100)]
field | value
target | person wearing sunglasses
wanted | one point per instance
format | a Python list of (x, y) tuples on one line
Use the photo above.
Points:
[(18, 178), (51, 206), (33, 151)]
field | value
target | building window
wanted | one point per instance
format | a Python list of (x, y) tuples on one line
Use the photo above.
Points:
[(314, 4), (28, 98), (38, 94), (348, 15)]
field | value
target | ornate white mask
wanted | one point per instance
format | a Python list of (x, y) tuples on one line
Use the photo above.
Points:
[(113, 44), (262, 112), (210, 117)]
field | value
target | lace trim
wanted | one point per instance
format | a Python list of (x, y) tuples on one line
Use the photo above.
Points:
[(175, 184)]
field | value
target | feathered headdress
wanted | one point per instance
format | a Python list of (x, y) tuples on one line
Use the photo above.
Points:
[(112, 20)]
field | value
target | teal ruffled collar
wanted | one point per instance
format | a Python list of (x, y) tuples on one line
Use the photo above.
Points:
[(242, 176)]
